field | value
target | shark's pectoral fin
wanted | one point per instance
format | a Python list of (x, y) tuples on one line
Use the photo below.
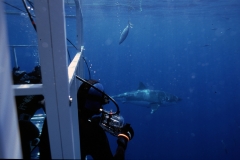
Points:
[(154, 107)]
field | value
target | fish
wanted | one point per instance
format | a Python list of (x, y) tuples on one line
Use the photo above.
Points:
[(148, 98), (124, 33)]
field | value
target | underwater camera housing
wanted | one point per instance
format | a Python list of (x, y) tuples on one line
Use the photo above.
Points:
[(111, 123)]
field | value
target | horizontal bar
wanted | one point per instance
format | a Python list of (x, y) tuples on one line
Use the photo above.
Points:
[(31, 46), (28, 89)]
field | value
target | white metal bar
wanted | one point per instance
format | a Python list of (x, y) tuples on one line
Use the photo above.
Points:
[(28, 89), (57, 86), (10, 145), (48, 79), (16, 46), (58, 27), (73, 69), (15, 57), (22, 45), (79, 24), (52, 51), (74, 65)]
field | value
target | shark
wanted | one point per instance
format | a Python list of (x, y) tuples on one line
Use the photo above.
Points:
[(145, 97)]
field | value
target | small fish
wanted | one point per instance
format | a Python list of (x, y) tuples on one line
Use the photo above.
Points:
[(124, 33)]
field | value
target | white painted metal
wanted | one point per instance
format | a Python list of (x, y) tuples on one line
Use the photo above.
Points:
[(59, 83), (73, 69), (10, 146), (79, 24), (28, 89), (50, 19), (76, 68)]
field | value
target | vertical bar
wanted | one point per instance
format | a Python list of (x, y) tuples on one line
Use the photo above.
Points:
[(44, 31), (53, 54), (79, 24), (10, 145), (58, 27), (15, 57)]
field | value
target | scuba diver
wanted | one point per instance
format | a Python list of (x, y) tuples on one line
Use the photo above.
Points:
[(94, 141), (26, 108)]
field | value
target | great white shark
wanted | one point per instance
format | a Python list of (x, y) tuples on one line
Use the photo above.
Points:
[(145, 97)]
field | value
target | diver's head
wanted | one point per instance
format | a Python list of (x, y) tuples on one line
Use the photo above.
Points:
[(90, 99)]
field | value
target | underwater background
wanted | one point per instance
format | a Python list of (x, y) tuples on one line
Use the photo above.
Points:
[(189, 48)]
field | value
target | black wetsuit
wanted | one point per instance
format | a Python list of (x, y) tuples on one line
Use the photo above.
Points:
[(94, 141), (26, 107)]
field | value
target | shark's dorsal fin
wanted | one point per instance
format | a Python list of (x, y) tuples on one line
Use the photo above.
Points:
[(141, 86)]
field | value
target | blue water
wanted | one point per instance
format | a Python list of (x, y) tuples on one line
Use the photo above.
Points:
[(188, 48)]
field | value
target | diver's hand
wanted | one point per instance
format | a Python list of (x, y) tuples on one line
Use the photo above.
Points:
[(125, 135), (127, 132)]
